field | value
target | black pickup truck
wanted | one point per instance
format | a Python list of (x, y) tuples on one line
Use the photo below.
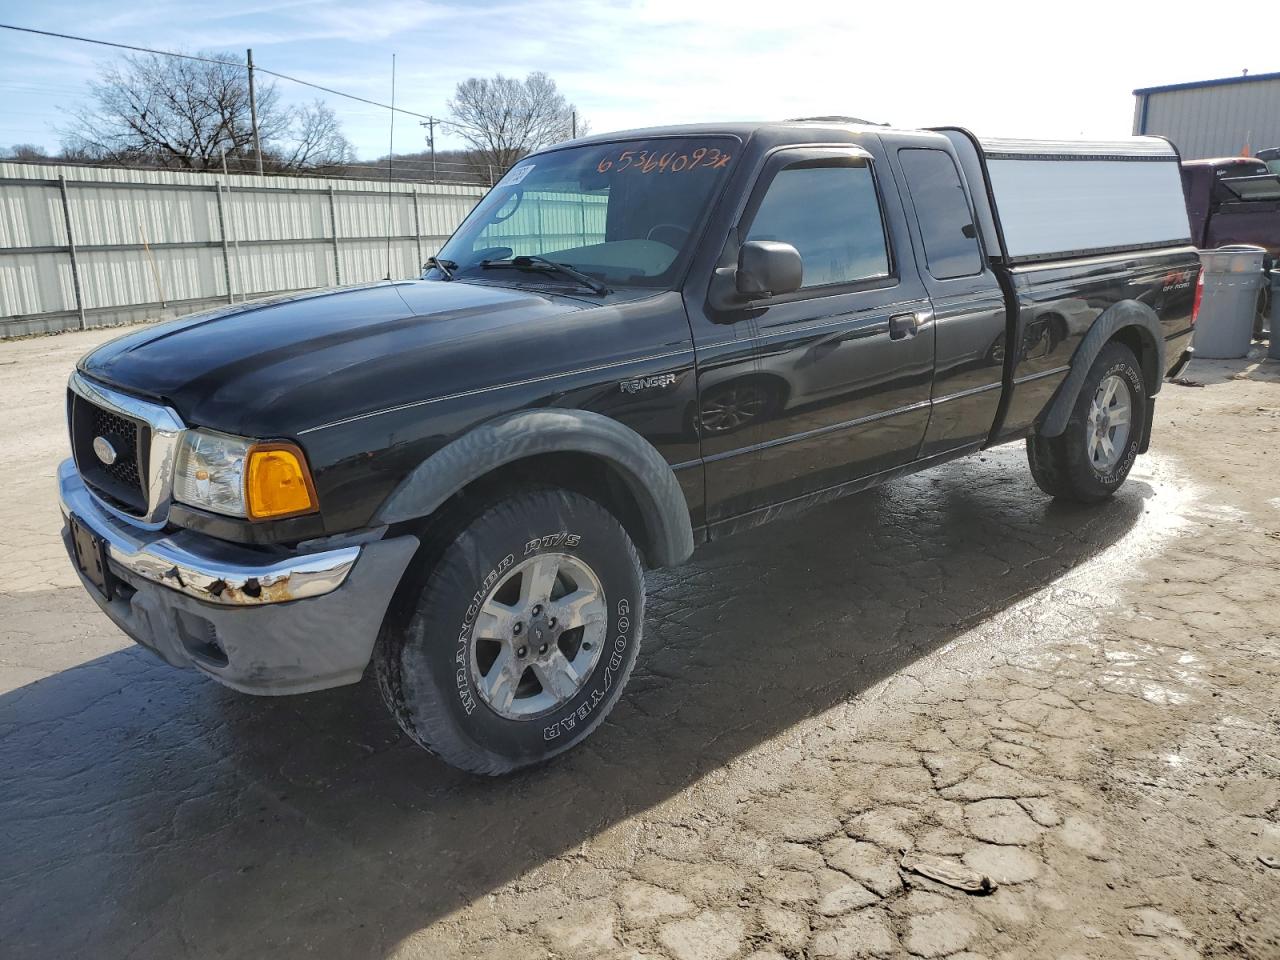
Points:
[(634, 343)]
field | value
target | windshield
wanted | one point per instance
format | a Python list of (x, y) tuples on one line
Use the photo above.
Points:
[(623, 213)]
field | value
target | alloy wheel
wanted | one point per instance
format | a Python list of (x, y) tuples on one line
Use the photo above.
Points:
[(538, 636), (1110, 419)]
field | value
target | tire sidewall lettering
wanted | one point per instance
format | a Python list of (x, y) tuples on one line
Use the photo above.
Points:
[(1137, 394), (462, 676), (594, 696), (552, 541)]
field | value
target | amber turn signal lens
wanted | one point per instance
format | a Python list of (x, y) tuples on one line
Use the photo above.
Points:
[(277, 482)]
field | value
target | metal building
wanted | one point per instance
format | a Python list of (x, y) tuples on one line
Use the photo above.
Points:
[(1213, 118)]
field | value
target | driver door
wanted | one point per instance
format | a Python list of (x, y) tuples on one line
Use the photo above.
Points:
[(838, 384)]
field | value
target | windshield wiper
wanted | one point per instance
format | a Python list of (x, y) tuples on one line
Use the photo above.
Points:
[(444, 266), (543, 265)]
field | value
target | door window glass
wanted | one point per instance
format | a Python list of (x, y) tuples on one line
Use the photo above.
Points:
[(942, 211), (831, 214)]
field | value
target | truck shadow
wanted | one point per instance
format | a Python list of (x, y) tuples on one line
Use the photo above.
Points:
[(152, 813)]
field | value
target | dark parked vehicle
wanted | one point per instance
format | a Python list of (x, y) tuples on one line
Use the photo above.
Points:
[(635, 343), (1271, 157), (1233, 200)]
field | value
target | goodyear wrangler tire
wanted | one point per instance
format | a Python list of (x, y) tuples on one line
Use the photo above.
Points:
[(522, 636), (1093, 456)]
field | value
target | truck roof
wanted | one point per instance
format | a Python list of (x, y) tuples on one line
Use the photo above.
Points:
[(1128, 147), (742, 129)]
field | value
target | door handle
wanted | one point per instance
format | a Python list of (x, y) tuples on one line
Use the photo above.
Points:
[(903, 326)]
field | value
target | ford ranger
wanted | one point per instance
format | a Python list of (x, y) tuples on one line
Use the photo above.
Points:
[(635, 343)]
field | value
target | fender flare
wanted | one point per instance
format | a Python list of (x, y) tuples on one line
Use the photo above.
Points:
[(648, 477), (1126, 313)]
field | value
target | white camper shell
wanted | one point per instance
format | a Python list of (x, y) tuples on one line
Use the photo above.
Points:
[(1050, 199)]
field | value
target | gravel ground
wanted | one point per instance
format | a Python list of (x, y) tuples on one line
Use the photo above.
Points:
[(1080, 704)]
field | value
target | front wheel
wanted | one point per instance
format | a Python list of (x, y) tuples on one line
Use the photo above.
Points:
[(521, 638), (1091, 458)]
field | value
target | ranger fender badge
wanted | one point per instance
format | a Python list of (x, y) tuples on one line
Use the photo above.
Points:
[(105, 451), (647, 383)]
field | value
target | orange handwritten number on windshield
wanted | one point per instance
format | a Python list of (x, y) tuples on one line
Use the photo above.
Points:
[(646, 161)]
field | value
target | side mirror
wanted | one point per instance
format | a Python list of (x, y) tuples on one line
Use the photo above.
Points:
[(767, 268)]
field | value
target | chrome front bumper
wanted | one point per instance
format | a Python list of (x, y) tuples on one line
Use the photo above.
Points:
[(199, 566), (260, 623)]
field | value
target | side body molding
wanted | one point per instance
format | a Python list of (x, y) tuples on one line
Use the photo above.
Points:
[(528, 433), (1126, 313)]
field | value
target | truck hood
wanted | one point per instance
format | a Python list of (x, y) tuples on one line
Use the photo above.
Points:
[(275, 367)]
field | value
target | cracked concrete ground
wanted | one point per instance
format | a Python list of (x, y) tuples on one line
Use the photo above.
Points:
[(1079, 703)]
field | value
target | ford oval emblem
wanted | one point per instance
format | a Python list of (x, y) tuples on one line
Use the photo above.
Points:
[(105, 451)]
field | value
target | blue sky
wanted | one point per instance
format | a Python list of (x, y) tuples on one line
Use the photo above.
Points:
[(1024, 69)]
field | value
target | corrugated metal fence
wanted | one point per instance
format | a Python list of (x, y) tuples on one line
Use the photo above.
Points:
[(93, 246), (547, 221)]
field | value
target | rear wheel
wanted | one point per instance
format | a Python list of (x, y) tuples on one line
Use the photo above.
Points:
[(522, 636), (1091, 458)]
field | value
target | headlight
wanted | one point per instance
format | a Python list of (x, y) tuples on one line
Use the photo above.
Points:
[(210, 472), (241, 478)]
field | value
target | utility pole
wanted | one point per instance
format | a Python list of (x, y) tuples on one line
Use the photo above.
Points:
[(253, 115), (430, 124), (574, 125)]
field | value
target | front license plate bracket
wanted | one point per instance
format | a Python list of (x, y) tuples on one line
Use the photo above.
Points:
[(91, 556)]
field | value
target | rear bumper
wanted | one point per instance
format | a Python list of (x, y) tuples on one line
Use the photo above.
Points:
[(285, 622)]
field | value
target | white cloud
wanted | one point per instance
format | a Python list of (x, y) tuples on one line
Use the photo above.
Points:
[(1014, 68)]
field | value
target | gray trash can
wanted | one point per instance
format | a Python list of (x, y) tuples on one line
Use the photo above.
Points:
[(1233, 278), (1274, 350)]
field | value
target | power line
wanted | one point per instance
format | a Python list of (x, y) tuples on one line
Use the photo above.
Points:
[(121, 46), (229, 63)]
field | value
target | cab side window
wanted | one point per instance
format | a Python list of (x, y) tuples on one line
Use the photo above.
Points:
[(831, 214), (942, 211)]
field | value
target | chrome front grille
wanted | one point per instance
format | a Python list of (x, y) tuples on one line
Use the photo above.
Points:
[(144, 438), (121, 480)]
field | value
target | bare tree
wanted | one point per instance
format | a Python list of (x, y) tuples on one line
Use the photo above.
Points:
[(25, 151), (448, 166), (502, 118), (315, 140), (189, 113)]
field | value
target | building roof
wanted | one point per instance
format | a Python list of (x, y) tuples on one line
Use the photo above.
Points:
[(1196, 84)]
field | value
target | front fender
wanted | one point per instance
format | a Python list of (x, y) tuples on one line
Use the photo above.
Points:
[(529, 433), (1126, 313)]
